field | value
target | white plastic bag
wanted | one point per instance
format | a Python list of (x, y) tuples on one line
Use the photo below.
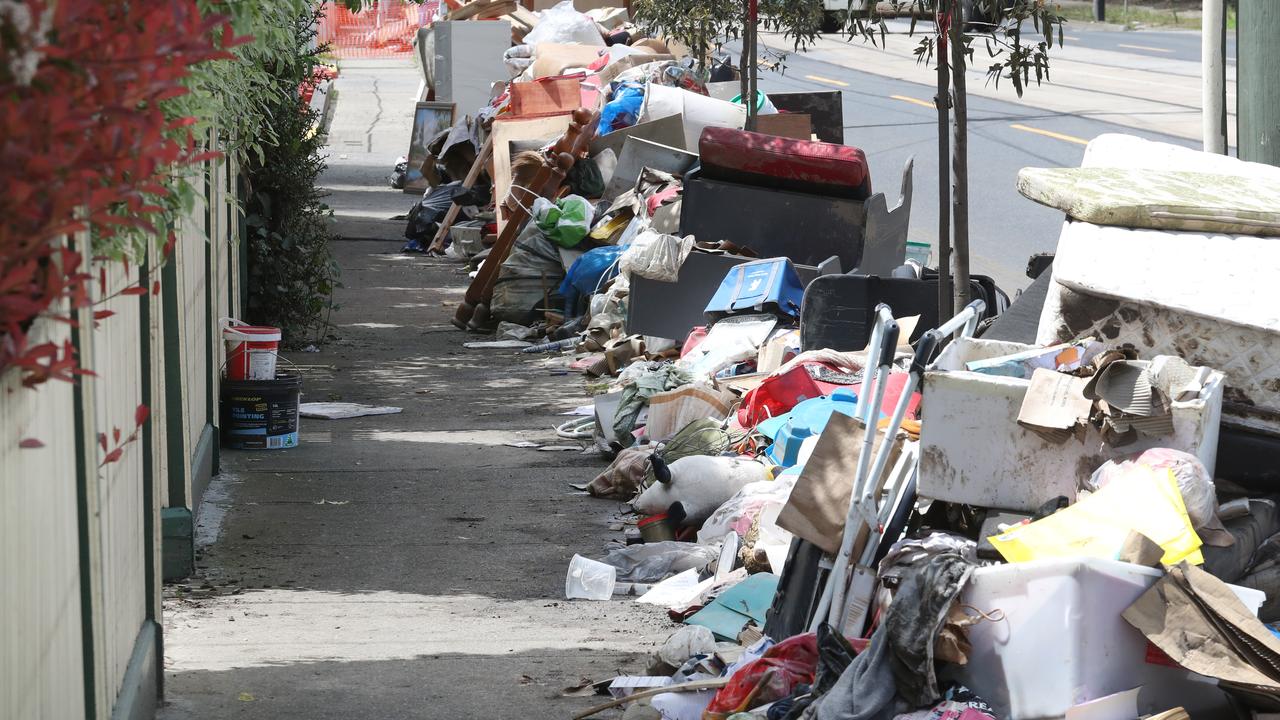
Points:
[(518, 59), (655, 256), (566, 26), (738, 513)]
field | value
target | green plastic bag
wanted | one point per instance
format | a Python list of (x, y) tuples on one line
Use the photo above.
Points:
[(566, 221)]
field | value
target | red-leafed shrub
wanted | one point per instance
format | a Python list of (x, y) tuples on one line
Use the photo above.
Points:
[(86, 145)]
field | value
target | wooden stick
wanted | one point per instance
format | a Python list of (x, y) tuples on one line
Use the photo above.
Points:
[(694, 686), (437, 244)]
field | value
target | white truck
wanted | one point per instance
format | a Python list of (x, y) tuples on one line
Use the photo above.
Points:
[(835, 12)]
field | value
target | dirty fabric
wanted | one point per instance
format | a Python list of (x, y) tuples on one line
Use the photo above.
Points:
[(865, 690), (624, 475), (834, 656), (918, 612), (645, 382)]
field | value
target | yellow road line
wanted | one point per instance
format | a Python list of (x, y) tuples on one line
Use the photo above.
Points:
[(829, 81), (913, 101), (1072, 38), (1051, 134), (1144, 47)]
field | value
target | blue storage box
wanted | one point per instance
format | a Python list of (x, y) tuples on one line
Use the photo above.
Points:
[(770, 286)]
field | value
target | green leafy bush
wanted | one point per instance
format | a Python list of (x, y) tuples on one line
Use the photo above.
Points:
[(291, 271)]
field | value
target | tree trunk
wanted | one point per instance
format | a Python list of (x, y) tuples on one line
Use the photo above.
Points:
[(942, 101), (960, 164)]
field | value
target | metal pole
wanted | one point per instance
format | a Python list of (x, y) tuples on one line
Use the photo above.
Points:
[(960, 165), (1213, 64), (1257, 92), (1100, 10), (943, 102)]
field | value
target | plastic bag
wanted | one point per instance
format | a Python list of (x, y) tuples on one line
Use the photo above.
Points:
[(623, 108), (518, 59), (1098, 525), (652, 562), (1198, 492), (566, 221), (587, 274), (656, 256), (688, 641), (564, 25), (793, 662), (738, 512)]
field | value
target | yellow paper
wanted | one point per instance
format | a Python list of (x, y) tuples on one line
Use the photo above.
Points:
[(1143, 500)]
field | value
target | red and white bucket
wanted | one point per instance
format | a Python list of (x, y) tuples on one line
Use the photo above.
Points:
[(251, 350)]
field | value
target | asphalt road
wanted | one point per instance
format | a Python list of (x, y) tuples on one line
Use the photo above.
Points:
[(1170, 44), (894, 120)]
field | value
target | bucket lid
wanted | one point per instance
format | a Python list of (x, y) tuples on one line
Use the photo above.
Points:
[(251, 332)]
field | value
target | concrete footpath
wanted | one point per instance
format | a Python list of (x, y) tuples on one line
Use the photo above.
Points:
[(408, 565)]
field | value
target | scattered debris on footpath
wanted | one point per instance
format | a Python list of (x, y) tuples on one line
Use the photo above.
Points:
[(854, 506)]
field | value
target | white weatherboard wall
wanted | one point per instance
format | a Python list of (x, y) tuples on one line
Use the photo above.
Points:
[(80, 541), (41, 658)]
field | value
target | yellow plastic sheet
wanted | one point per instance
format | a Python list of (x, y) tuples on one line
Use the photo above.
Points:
[(1143, 500)]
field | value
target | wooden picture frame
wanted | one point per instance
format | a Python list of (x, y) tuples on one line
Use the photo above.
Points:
[(429, 119)]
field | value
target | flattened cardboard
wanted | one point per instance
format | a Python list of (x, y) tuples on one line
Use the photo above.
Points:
[(667, 131), (789, 125)]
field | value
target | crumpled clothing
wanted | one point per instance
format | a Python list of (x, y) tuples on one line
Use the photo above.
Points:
[(649, 380), (915, 551), (918, 613), (624, 475), (865, 690), (834, 656)]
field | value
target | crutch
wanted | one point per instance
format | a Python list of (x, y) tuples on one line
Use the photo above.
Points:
[(833, 593)]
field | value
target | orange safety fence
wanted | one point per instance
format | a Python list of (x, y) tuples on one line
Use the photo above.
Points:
[(385, 28)]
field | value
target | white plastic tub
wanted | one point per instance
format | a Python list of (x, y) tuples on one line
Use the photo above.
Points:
[(1062, 641), (974, 451)]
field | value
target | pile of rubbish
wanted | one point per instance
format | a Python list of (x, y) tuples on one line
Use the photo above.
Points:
[(855, 504)]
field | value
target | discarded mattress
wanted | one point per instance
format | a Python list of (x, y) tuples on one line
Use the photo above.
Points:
[(1207, 298), (1161, 199), (784, 163)]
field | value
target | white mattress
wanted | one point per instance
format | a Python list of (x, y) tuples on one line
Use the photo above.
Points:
[(1212, 299)]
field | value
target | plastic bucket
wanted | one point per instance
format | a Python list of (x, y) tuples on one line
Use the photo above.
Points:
[(251, 350), (260, 414)]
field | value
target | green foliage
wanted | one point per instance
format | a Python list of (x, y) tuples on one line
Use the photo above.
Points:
[(1016, 51), (704, 25), (291, 270)]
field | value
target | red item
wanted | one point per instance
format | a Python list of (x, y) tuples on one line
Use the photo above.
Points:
[(785, 163), (779, 393), (793, 662), (696, 336), (558, 95), (251, 351)]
